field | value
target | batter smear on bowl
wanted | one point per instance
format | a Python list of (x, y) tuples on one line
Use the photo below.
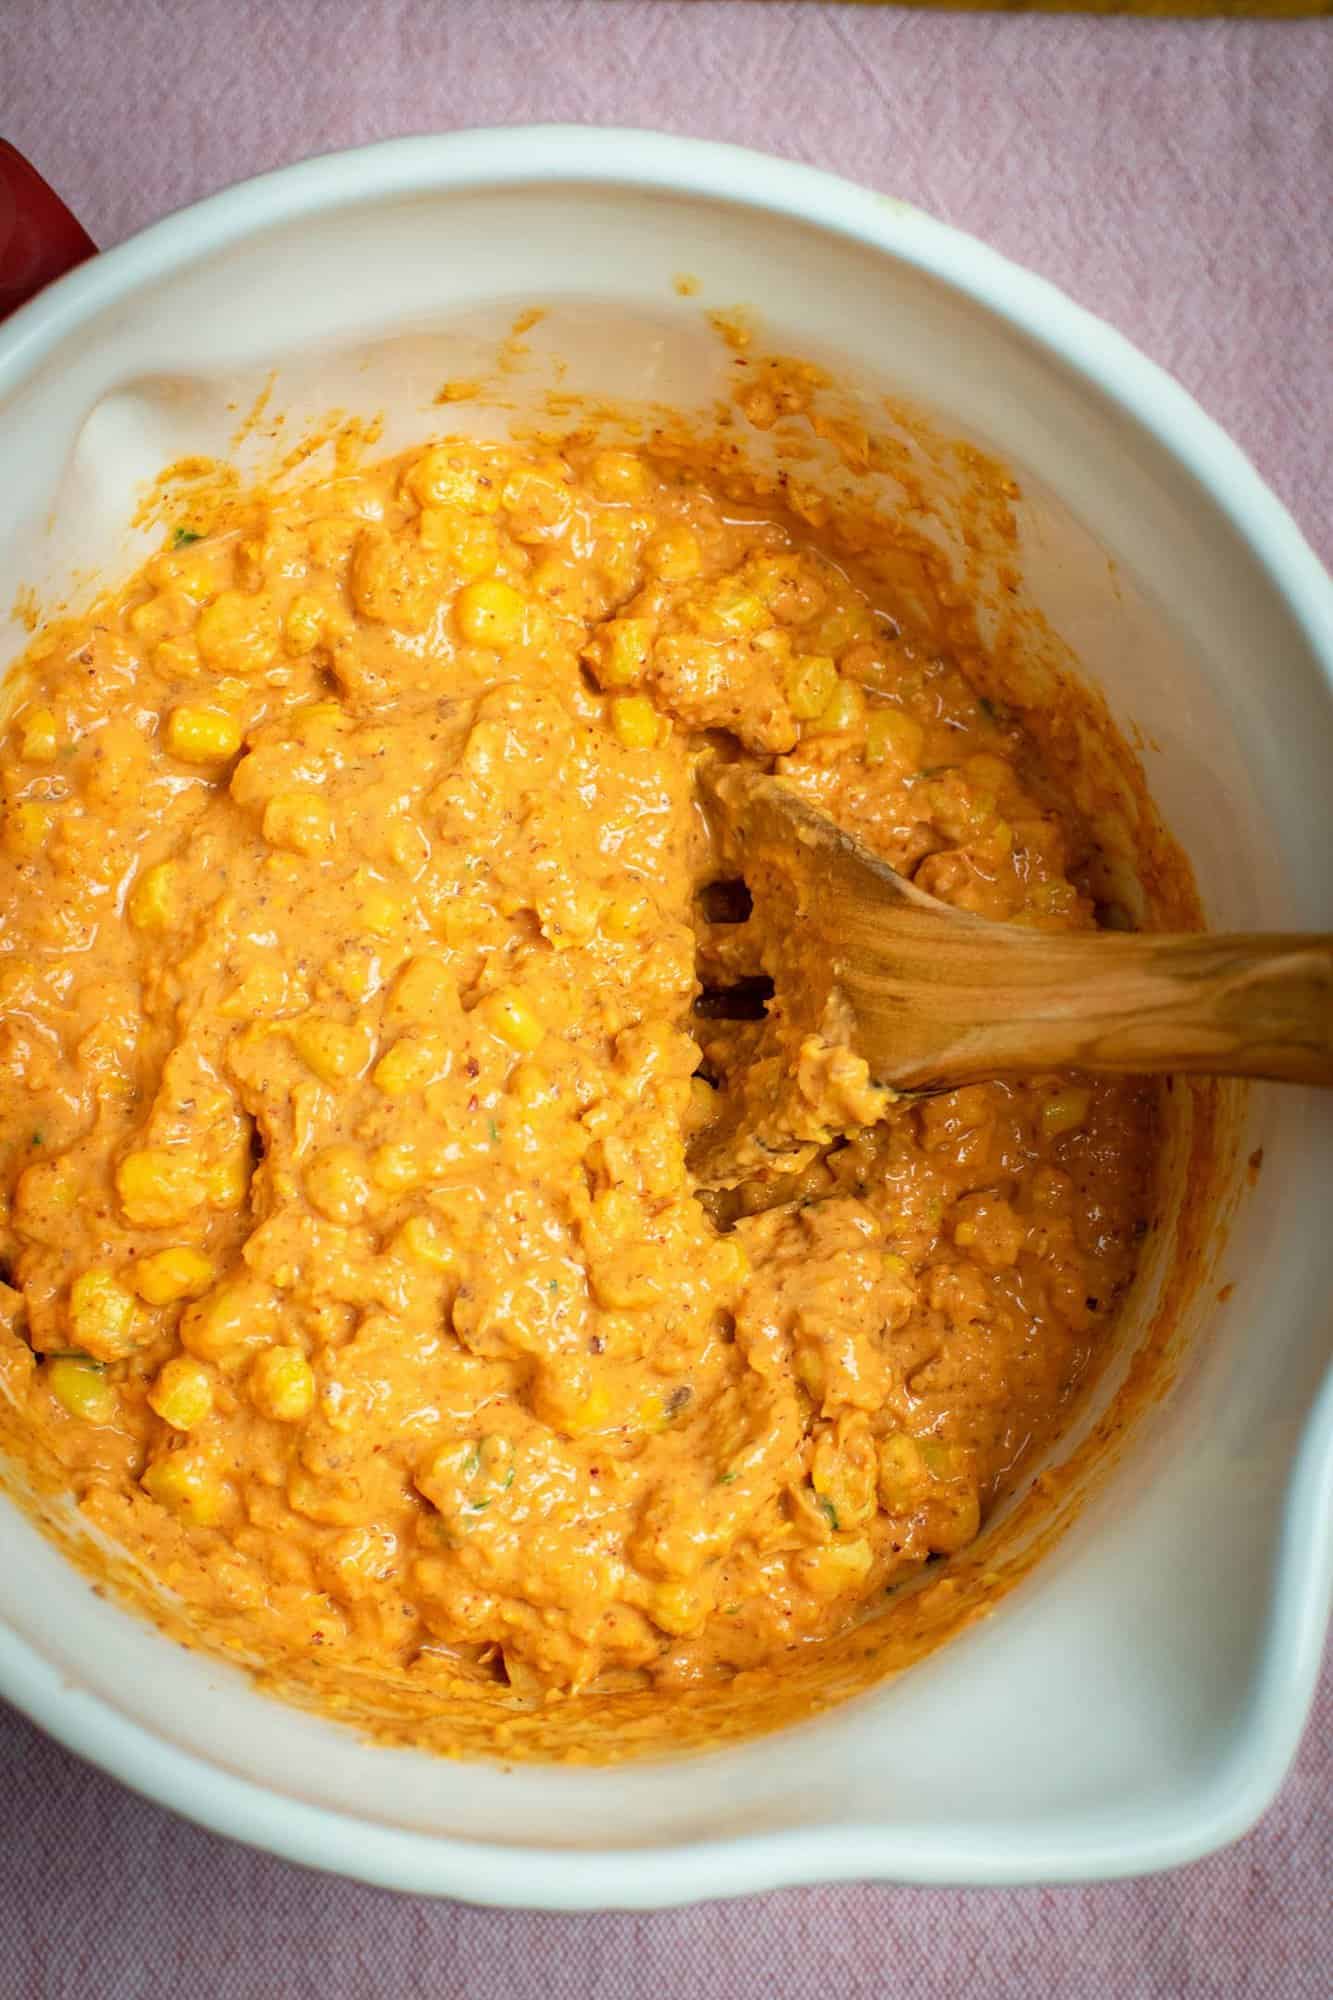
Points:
[(355, 908)]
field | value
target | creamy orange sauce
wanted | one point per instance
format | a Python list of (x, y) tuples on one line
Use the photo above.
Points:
[(354, 903)]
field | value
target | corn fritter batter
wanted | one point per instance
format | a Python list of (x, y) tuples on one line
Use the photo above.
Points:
[(353, 906)]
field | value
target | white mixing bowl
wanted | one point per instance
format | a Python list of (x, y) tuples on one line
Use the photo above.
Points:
[(1134, 1703)]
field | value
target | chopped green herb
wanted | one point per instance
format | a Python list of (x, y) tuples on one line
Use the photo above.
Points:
[(494, 1131), (828, 1510), (36, 1140), (184, 535), (726, 1478)]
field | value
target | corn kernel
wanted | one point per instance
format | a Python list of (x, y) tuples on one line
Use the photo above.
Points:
[(228, 1183), (839, 1566), (181, 1483), (1065, 1111), (938, 1458), (27, 829), (152, 621), (424, 990), (170, 1275), (634, 721), (842, 627), (844, 708), (626, 1283), (592, 1413), (529, 1085), (282, 1385), (393, 580), (408, 845), (702, 1107), (354, 972), (674, 555), (508, 1015), (330, 539), (331, 1506), (680, 1608), (334, 1050), (619, 654), (319, 723), (303, 626), (237, 633), (736, 609), (625, 916), (894, 738), (301, 822), (409, 1065), (396, 1168), (158, 1188), (954, 1519), (81, 1389), (423, 1240), (652, 1412), (187, 571), (203, 735), (812, 679), (101, 1315), (728, 1263), (453, 476), (467, 1474), (380, 912), (39, 739), (902, 1471), (490, 612), (537, 502), (44, 1190), (151, 902), (336, 1184), (177, 658), (224, 1326), (182, 1394), (619, 475), (471, 545)]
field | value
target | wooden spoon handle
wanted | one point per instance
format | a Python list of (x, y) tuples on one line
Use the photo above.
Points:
[(1224, 1006), (933, 997)]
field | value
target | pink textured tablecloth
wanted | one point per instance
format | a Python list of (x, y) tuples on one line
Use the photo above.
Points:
[(1173, 176)]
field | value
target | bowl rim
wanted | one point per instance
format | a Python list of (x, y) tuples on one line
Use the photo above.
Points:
[(1243, 1785)]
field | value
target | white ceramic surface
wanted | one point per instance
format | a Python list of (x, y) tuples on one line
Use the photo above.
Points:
[(1136, 1702)]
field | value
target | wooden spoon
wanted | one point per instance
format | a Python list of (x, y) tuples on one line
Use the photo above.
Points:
[(932, 997)]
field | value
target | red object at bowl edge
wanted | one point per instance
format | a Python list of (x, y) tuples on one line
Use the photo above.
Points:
[(39, 239)]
